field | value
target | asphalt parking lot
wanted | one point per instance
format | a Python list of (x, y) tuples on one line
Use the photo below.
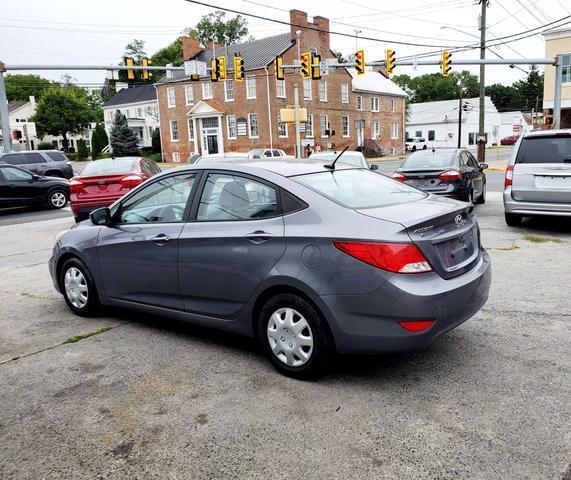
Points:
[(126, 396)]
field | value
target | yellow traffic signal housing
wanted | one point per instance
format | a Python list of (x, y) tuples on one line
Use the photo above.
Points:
[(305, 65), (145, 73), (315, 61), (446, 63), (221, 68), (280, 68), (213, 70), (360, 62), (239, 72), (389, 61), (129, 63)]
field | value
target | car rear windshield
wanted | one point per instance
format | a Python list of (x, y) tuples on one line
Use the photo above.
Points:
[(429, 160), (347, 159), (547, 149), (360, 188), (109, 166), (56, 156)]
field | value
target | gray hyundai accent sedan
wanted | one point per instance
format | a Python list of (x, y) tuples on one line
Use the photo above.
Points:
[(310, 259)]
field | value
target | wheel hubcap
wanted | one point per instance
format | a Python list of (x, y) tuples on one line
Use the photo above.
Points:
[(76, 287), (58, 199), (290, 337)]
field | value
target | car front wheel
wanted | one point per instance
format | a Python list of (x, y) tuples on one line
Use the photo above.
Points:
[(78, 288), (57, 198), (482, 198), (294, 337)]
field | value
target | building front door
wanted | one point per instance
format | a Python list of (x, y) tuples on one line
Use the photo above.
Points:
[(210, 136)]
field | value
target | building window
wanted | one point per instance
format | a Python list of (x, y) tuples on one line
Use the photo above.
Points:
[(566, 68), (231, 126), (375, 104), (359, 102), (139, 112), (207, 90), (376, 133), (170, 98), (176, 157), (393, 105), (431, 134), (190, 129), (322, 91), (174, 131), (394, 130), (282, 128), (250, 88), (188, 89), (345, 93), (280, 89), (309, 126), (253, 125), (418, 133), (110, 116), (323, 122), (229, 90), (345, 126), (307, 88)]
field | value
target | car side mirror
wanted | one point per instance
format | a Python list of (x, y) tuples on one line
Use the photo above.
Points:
[(35, 177), (101, 216), (374, 166), (483, 166)]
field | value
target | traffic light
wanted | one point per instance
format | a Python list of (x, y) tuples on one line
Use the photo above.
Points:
[(128, 61), (239, 72), (446, 63), (360, 62), (279, 68), (306, 65), (145, 74), (213, 71), (221, 68), (389, 61), (315, 71)]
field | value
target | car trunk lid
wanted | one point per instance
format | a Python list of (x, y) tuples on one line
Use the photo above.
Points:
[(102, 185), (425, 179)]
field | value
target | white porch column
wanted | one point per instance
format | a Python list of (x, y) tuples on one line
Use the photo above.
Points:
[(220, 134), (195, 130)]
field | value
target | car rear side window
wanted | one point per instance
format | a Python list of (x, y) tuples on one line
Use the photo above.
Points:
[(545, 149), (109, 166), (32, 158), (56, 156), (360, 188)]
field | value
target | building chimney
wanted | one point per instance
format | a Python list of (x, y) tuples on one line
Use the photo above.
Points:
[(121, 86), (191, 47), (323, 24), (298, 21)]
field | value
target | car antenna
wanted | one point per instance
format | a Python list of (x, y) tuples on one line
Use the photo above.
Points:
[(331, 166)]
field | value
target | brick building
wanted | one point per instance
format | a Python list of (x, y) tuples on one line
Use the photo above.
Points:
[(209, 118)]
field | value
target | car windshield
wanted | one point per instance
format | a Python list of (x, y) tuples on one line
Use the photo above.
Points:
[(109, 166), (346, 158), (545, 149), (360, 188), (428, 160), (256, 153)]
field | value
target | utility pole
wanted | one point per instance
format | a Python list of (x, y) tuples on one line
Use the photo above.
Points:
[(4, 115), (460, 117), (482, 120), (297, 130)]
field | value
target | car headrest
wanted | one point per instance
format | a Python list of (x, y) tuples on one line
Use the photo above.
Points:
[(234, 196)]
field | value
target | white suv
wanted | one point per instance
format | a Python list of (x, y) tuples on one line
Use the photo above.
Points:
[(414, 144)]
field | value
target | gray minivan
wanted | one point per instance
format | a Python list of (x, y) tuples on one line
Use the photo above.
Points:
[(50, 163), (538, 176)]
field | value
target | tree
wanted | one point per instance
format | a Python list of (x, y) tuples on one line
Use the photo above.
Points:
[(82, 150), (214, 26), (136, 50), (504, 97), (99, 141), (340, 57), (19, 88), (122, 139), (530, 89), (95, 102), (156, 141), (170, 54), (433, 86), (60, 111)]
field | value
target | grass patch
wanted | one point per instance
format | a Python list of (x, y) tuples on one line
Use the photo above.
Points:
[(540, 239), (509, 249), (77, 338)]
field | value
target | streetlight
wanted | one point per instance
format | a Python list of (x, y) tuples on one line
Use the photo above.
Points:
[(357, 33)]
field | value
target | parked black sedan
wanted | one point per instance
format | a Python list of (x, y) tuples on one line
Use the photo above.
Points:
[(21, 188), (453, 173)]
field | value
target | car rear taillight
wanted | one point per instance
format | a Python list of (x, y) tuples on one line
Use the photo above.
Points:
[(509, 176), (131, 181), (416, 325), (450, 175), (393, 257), (399, 176), (75, 185)]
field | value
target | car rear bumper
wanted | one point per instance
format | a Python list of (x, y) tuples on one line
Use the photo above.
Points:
[(85, 207), (368, 323), (534, 208)]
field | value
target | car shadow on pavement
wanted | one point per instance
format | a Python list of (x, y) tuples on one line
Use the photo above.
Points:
[(548, 224)]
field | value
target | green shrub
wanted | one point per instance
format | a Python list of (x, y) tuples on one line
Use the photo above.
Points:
[(45, 146), (82, 150), (156, 141)]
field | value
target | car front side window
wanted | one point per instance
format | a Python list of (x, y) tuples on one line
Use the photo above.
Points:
[(164, 200), (16, 175)]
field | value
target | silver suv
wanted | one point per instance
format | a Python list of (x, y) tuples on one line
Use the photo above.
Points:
[(538, 176), (51, 163)]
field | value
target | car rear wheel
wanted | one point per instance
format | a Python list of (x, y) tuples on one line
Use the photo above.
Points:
[(424, 147), (482, 198), (294, 337), (57, 198), (78, 288), (413, 148), (513, 220)]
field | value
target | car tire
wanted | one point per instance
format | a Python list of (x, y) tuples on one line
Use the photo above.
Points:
[(295, 337), (78, 288), (424, 147), (482, 198), (57, 198), (413, 149), (513, 220)]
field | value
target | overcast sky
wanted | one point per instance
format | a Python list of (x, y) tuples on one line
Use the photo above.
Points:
[(80, 32)]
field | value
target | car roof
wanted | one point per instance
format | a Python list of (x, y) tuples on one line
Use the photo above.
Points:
[(548, 133)]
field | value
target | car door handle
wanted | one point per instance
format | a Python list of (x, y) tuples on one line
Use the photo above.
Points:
[(162, 238), (259, 236)]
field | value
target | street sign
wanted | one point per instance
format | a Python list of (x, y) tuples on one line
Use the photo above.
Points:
[(324, 67), (193, 67)]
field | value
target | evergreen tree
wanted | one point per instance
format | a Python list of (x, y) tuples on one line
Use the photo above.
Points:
[(82, 151), (99, 141), (156, 141), (122, 139)]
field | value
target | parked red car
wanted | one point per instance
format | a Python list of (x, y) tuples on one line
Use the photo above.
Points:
[(101, 182), (511, 140)]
